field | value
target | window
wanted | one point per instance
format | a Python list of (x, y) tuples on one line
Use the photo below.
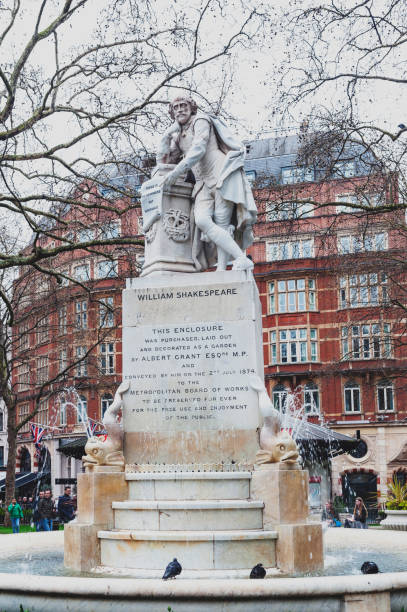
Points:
[(287, 211), (297, 174), (250, 174), (280, 397), (106, 314), (42, 370), (367, 289), (372, 200), (42, 330), (1, 420), (352, 397), (82, 410), (42, 415), (358, 244), (1, 456), (82, 273), (63, 359), (294, 295), (366, 341), (107, 358), (23, 412), (23, 377), (106, 269), (64, 281), (105, 402), (81, 369), (385, 396), (343, 169), (24, 336), (311, 398), (290, 249), (62, 320), (62, 413), (81, 314), (109, 230), (86, 235), (293, 345)]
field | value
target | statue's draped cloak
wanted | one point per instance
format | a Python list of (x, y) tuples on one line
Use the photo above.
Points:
[(233, 187)]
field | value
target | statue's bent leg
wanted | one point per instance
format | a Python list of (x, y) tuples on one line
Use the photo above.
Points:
[(204, 209)]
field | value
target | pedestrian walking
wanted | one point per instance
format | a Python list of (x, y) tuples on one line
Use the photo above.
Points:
[(45, 511), (16, 514)]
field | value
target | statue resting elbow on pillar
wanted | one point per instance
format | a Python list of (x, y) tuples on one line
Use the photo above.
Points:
[(224, 210)]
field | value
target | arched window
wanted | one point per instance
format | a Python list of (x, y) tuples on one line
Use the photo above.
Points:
[(280, 397), (385, 396), (1, 420), (400, 476), (352, 396), (311, 398), (82, 409), (106, 400)]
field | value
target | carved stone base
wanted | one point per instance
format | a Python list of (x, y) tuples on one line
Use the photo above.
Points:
[(96, 492), (168, 244)]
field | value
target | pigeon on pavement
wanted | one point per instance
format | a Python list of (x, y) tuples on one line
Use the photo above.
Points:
[(258, 571), (173, 569)]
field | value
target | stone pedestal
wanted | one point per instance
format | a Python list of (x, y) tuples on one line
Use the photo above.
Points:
[(168, 242), (190, 346), (284, 491), (96, 492)]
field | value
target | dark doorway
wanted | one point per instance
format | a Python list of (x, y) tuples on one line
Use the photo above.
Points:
[(25, 460), (360, 484)]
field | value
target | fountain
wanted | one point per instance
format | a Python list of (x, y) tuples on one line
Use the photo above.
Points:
[(201, 467)]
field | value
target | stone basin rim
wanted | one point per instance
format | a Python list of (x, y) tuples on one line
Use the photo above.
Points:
[(203, 589)]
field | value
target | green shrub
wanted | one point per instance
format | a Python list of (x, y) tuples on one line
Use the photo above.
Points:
[(2, 514), (396, 496)]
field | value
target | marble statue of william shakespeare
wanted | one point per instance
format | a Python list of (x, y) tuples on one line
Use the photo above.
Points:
[(224, 208)]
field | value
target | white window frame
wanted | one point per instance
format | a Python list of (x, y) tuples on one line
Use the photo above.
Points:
[(42, 365), (297, 174), (23, 377), (292, 289), (360, 290), (106, 312), (42, 415), (385, 386), (281, 250), (279, 395), (312, 404), (81, 369), (82, 411), (81, 272), (110, 230), (23, 412), (81, 314), (105, 401), (62, 320), (370, 242), (106, 268), (366, 341), (294, 345), (107, 358), (354, 391), (288, 211)]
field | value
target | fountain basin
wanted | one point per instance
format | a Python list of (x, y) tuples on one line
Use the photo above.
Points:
[(356, 593), (395, 519)]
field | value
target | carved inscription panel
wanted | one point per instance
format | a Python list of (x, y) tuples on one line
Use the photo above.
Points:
[(192, 374)]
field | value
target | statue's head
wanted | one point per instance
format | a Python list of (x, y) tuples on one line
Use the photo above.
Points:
[(182, 108)]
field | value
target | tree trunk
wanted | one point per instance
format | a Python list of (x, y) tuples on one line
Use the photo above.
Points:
[(11, 460)]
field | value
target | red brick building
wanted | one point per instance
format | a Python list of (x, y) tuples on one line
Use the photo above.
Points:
[(71, 334), (332, 335), (328, 279)]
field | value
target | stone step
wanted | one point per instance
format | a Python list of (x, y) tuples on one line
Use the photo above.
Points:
[(189, 485), (217, 550), (196, 515)]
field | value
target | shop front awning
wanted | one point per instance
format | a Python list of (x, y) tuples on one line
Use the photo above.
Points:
[(23, 479), (73, 447)]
